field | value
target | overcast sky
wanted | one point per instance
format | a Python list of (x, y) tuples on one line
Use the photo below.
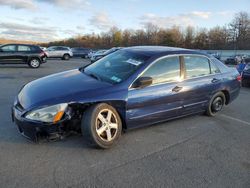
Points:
[(47, 20)]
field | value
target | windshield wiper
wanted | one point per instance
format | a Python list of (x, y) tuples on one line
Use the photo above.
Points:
[(82, 69), (94, 76)]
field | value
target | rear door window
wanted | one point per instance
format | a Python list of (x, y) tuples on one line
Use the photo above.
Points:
[(22, 48), (62, 48), (196, 66)]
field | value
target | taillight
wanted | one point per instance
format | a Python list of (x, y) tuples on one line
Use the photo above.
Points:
[(239, 78)]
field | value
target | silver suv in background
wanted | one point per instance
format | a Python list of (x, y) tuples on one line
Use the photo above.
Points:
[(62, 52)]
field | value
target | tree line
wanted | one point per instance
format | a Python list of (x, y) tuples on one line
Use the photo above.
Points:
[(235, 35)]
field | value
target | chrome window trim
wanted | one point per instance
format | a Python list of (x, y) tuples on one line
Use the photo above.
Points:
[(173, 55)]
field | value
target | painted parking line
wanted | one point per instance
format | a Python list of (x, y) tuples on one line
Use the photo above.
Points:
[(235, 119)]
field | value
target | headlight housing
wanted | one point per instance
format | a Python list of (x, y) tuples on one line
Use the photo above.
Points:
[(51, 114)]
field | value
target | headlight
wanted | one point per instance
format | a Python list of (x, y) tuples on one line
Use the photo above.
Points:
[(51, 114)]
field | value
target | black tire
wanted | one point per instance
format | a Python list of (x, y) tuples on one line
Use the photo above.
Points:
[(34, 63), (66, 57), (91, 124), (216, 104)]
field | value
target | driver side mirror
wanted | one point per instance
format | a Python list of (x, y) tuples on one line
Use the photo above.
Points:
[(142, 82)]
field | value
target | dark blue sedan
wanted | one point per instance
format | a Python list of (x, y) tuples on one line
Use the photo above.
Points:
[(130, 88)]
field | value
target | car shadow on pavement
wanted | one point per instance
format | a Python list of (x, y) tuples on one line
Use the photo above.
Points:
[(17, 66), (76, 140), (73, 141)]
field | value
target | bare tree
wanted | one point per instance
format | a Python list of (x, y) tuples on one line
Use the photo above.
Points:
[(151, 33), (189, 37), (217, 38), (235, 36), (239, 30)]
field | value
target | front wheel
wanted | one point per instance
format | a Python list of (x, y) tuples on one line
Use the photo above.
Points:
[(34, 63), (216, 104), (101, 125)]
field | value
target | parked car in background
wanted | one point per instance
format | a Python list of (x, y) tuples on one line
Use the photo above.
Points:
[(215, 54), (62, 52), (246, 75), (231, 61), (80, 52), (246, 59), (98, 56), (133, 87), (43, 48), (234, 60), (31, 55), (95, 52)]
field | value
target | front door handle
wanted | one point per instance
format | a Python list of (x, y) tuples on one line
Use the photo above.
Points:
[(176, 89), (215, 80)]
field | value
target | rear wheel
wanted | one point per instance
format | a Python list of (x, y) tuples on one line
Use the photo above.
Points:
[(216, 104), (101, 125), (66, 57), (34, 63)]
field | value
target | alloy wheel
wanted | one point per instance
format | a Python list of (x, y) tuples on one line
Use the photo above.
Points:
[(106, 125), (34, 63)]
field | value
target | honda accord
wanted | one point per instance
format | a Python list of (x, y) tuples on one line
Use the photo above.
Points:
[(133, 87)]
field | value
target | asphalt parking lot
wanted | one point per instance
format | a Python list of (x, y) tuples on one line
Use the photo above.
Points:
[(196, 151)]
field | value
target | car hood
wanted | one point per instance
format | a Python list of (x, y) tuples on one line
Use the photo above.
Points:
[(58, 88)]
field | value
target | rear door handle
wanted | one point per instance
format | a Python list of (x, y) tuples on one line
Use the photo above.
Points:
[(176, 89), (215, 80)]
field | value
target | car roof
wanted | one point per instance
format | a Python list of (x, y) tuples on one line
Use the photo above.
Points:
[(59, 46), (19, 44), (162, 50)]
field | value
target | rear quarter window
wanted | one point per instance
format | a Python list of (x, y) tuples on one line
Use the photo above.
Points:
[(222, 67), (36, 49), (214, 68), (63, 48)]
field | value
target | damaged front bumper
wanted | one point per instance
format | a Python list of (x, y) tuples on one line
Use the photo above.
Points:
[(35, 130)]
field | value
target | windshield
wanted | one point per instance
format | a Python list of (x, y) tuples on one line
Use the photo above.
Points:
[(116, 67), (109, 51), (247, 67), (100, 52)]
